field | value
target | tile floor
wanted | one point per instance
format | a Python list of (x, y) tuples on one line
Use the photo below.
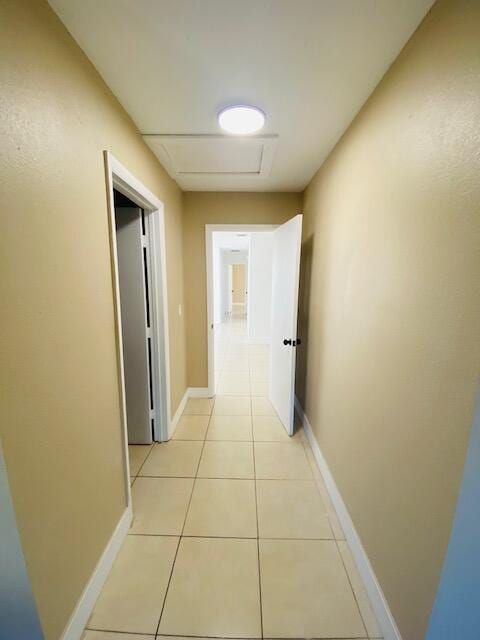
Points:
[(233, 535)]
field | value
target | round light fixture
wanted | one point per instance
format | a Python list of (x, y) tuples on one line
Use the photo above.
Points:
[(241, 119)]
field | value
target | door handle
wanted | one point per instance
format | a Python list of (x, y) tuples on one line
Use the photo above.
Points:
[(294, 343)]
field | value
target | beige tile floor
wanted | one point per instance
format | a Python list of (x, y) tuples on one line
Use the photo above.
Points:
[(233, 535)]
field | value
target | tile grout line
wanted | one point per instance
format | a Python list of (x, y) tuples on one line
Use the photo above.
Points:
[(305, 445), (181, 534), (351, 586), (258, 532), (146, 458), (235, 477), (217, 537), (256, 498), (118, 633), (136, 475), (166, 636)]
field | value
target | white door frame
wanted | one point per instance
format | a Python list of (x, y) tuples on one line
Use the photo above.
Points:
[(209, 230), (230, 287), (118, 177)]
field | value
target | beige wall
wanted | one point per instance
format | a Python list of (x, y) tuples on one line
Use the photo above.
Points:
[(60, 422), (390, 305), (201, 208), (238, 283)]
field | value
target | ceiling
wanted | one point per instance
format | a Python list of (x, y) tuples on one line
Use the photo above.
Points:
[(229, 240), (309, 64)]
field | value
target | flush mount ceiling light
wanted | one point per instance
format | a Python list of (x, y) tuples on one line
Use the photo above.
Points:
[(241, 119)]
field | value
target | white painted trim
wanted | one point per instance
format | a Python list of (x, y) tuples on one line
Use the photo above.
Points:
[(84, 608), (120, 178), (209, 230), (374, 591), (178, 414), (199, 392), (210, 308), (158, 266), (109, 161)]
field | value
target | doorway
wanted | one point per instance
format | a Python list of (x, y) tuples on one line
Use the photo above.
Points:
[(254, 335), (137, 241), (134, 276)]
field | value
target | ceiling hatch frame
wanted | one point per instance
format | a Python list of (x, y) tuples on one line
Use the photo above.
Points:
[(163, 145)]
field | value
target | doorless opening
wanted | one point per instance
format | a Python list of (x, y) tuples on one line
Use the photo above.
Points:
[(135, 303), (137, 243)]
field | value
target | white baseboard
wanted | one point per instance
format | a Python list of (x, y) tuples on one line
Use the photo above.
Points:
[(191, 392), (178, 413), (377, 599), (84, 608), (198, 392)]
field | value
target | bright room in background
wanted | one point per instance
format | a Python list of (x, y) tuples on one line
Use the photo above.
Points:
[(242, 283)]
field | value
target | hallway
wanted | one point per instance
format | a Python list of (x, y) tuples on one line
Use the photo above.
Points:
[(326, 153), (233, 532)]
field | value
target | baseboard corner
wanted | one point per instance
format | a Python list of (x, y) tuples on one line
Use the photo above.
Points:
[(198, 392), (178, 414), (190, 392)]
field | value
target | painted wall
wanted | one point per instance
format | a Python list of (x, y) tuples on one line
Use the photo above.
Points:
[(260, 286), (390, 306), (239, 283), (201, 208), (456, 613), (60, 422)]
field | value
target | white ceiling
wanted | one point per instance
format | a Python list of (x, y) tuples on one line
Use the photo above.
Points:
[(229, 240), (309, 64)]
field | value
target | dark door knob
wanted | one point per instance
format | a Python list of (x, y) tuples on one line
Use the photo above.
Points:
[(294, 343)]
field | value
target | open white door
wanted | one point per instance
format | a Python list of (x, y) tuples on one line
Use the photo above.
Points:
[(287, 242)]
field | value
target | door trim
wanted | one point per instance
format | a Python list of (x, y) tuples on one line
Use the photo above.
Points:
[(209, 230), (118, 177)]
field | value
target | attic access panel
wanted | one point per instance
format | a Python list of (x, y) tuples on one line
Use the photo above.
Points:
[(212, 155)]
